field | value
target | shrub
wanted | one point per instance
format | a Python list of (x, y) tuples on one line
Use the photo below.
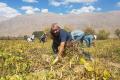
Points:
[(25, 37), (117, 33), (37, 33), (89, 30), (103, 34)]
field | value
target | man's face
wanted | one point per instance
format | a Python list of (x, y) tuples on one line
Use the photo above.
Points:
[(56, 30)]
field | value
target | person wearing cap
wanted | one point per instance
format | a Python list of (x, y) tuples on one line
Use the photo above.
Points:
[(60, 39)]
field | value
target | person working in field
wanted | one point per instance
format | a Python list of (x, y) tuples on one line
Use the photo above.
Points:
[(43, 38), (62, 38), (78, 35), (31, 38)]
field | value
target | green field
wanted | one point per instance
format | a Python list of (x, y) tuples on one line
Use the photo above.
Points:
[(21, 60)]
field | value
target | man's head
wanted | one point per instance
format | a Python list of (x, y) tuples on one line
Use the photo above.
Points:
[(55, 29)]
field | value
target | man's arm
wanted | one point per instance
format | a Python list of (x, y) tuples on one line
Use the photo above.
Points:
[(60, 52), (61, 49)]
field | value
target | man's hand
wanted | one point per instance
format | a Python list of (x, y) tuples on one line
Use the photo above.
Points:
[(60, 52), (56, 60)]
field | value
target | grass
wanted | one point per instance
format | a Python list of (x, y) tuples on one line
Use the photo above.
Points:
[(21, 60)]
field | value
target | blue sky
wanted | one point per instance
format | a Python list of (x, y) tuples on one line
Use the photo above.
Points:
[(12, 8)]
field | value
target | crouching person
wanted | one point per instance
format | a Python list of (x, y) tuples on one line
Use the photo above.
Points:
[(43, 38), (60, 38), (31, 38), (87, 40)]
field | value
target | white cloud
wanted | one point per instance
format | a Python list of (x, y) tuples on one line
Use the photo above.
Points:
[(3, 4), (60, 13), (44, 10), (30, 1), (54, 3), (70, 6), (30, 9), (98, 9), (66, 2), (118, 4), (85, 9), (7, 11), (79, 1)]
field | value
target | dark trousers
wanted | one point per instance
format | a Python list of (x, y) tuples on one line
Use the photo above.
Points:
[(55, 47)]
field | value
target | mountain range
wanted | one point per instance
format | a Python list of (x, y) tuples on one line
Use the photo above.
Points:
[(26, 24)]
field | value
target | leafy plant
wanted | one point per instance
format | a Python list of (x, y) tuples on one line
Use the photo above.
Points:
[(102, 35), (117, 33), (89, 30), (20, 60)]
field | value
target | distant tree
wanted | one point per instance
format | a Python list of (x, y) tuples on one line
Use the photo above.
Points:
[(25, 37), (103, 34), (117, 33), (89, 30), (37, 34)]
